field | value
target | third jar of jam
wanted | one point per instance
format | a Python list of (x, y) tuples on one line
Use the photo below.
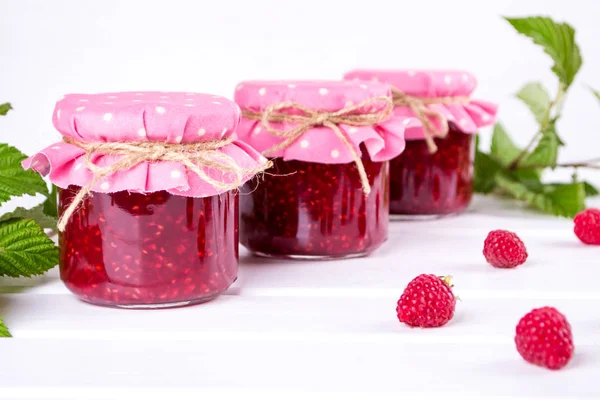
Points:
[(434, 175), (327, 193)]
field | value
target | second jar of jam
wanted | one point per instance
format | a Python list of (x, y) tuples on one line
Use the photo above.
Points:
[(161, 231), (327, 194), (429, 180)]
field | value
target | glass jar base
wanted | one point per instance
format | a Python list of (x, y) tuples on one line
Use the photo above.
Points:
[(157, 306), (422, 217), (308, 257)]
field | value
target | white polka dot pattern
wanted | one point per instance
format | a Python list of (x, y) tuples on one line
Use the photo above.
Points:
[(320, 143), (166, 117), (436, 83)]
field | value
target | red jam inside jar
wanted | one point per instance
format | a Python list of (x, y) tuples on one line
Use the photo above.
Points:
[(425, 184), (149, 250), (312, 210)]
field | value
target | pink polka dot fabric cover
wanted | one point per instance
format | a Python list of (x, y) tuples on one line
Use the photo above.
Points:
[(142, 116), (383, 141), (435, 83)]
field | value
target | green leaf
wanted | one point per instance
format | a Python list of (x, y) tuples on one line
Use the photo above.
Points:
[(545, 153), (36, 213), (559, 199), (5, 108), (503, 148), (4, 330), (486, 168), (51, 203), (537, 99), (530, 177), (557, 40), (14, 180), (590, 190), (25, 249)]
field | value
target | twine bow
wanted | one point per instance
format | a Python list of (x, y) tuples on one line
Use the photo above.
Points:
[(194, 156), (310, 118), (418, 105)]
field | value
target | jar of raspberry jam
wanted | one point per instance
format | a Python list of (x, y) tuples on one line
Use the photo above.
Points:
[(158, 227), (327, 194), (434, 175)]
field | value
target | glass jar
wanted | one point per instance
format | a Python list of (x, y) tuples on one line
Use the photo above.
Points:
[(148, 198), (327, 194), (312, 210), (425, 184), (149, 250)]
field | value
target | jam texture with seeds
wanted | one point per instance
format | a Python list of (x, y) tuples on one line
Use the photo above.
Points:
[(433, 184), (305, 209), (131, 249)]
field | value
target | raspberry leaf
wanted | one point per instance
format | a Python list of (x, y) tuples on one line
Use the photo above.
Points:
[(51, 203), (537, 99), (557, 40), (486, 168), (5, 108), (560, 199), (545, 154), (4, 332), (590, 190), (36, 213), (14, 180), (503, 148), (25, 249)]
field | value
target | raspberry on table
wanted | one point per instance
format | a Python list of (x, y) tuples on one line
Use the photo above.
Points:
[(587, 226), (504, 249), (427, 302), (544, 338)]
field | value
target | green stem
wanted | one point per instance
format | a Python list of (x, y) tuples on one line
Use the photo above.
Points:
[(514, 164), (544, 125), (582, 164)]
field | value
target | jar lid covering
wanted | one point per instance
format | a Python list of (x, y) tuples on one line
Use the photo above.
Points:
[(383, 140), (467, 116), (162, 117)]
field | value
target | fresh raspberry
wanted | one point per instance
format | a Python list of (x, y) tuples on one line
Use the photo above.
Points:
[(544, 338), (427, 302), (504, 249), (587, 226)]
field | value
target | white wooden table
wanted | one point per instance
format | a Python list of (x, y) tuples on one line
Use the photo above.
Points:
[(323, 326)]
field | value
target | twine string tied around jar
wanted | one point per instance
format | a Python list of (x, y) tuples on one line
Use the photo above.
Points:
[(308, 118), (194, 156), (418, 106)]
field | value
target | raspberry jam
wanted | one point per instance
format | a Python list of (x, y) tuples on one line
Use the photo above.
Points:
[(312, 210), (424, 184), (149, 250)]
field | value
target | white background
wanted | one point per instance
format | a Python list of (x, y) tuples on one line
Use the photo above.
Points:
[(306, 326), (49, 48)]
